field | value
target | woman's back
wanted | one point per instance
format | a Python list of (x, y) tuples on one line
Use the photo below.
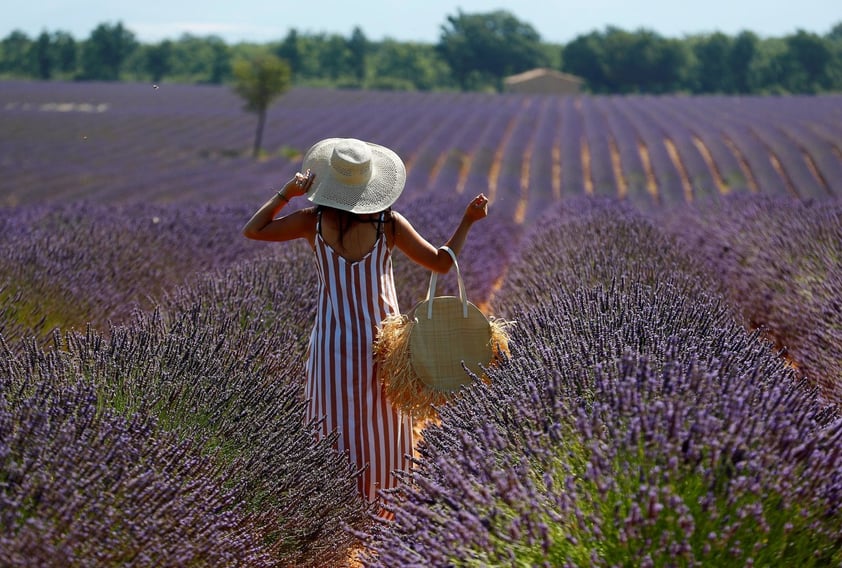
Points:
[(352, 236)]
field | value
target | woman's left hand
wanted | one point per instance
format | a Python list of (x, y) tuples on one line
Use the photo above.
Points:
[(477, 209)]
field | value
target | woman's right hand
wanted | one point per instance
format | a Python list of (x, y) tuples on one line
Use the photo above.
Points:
[(477, 209)]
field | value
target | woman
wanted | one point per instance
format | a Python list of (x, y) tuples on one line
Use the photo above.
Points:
[(352, 230)]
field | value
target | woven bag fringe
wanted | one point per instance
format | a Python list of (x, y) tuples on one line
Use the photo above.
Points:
[(403, 386)]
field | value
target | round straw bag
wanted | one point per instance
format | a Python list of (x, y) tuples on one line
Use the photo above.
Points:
[(423, 355)]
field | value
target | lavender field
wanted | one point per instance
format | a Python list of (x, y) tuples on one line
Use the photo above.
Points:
[(673, 265)]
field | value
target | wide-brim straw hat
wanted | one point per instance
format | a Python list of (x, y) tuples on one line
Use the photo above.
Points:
[(353, 175)]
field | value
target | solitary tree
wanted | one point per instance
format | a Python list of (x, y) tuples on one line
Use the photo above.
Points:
[(259, 80)]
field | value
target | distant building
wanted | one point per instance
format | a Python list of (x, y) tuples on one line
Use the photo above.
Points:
[(543, 81)]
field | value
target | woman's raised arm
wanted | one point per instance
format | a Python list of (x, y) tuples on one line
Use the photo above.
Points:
[(264, 227), (421, 251)]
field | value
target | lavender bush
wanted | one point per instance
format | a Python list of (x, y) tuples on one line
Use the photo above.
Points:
[(224, 361), (220, 362), (637, 423), (82, 262), (586, 242), (695, 465), (83, 485), (780, 262)]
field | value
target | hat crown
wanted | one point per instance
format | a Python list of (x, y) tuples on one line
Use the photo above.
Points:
[(350, 162)]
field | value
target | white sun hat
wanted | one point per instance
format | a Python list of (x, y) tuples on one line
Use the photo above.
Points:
[(355, 176)]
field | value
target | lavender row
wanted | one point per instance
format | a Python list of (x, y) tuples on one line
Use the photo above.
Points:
[(640, 186), (697, 178), (821, 156), (729, 168), (664, 169), (599, 139), (218, 364), (784, 170), (85, 485), (636, 422), (487, 141), (780, 263), (543, 186), (572, 135), (446, 149), (85, 262), (127, 143), (594, 241)]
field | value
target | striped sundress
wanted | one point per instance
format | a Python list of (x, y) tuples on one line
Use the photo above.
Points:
[(342, 383)]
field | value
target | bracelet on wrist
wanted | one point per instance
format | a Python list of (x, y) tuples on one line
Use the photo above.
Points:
[(284, 197)]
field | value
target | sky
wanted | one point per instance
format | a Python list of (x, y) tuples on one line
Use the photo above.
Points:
[(557, 21)]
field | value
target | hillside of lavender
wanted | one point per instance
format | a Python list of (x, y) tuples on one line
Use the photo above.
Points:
[(671, 267)]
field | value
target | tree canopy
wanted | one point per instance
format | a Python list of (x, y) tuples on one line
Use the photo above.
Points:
[(259, 80), (104, 54), (475, 51), (482, 48)]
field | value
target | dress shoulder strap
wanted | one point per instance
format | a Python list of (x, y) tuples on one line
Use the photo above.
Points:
[(380, 223)]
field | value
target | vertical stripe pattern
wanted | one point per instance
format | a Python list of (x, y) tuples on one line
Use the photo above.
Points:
[(342, 384)]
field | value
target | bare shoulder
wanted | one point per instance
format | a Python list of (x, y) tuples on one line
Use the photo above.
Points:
[(398, 219), (308, 218), (300, 224), (311, 212)]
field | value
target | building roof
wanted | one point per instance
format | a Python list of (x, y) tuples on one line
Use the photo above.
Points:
[(541, 72)]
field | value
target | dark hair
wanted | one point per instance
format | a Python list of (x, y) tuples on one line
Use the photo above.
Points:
[(346, 219)]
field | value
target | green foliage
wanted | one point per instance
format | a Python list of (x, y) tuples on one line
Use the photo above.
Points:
[(158, 60), (475, 52), (106, 51), (617, 61), (746, 45), (807, 63), (482, 49), (714, 72), (259, 80), (358, 50), (15, 54), (395, 65)]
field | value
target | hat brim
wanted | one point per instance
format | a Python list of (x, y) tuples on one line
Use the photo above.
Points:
[(386, 183)]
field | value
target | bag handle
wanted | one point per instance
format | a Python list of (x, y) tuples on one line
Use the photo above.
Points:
[(463, 295)]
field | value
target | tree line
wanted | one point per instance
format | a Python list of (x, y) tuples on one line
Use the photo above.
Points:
[(474, 52)]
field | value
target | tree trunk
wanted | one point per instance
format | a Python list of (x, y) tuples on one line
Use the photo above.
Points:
[(258, 136)]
